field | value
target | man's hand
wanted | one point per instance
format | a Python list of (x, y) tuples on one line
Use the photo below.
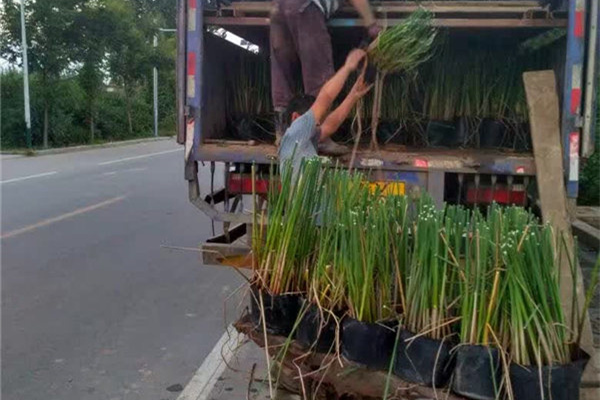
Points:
[(354, 58), (373, 30), (360, 88), (337, 117)]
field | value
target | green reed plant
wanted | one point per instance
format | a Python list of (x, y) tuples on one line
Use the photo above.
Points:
[(428, 287), (249, 87), (286, 235), (365, 258), (482, 279), (341, 191), (538, 330), (399, 49)]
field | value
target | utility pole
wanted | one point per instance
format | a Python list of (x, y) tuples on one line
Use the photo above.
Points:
[(155, 73), (25, 78)]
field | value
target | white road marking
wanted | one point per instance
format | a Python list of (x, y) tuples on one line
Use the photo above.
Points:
[(134, 169), (110, 173), (24, 178), (213, 366), (138, 157), (50, 221)]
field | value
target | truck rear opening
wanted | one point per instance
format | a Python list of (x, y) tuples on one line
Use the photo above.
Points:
[(466, 142)]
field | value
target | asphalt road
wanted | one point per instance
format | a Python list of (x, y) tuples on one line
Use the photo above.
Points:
[(93, 305)]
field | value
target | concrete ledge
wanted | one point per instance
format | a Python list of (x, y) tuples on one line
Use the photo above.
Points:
[(72, 149), (586, 234)]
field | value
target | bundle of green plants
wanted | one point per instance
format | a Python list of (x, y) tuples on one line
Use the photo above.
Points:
[(366, 259), (405, 46), (248, 88), (342, 192), (399, 49), (441, 82), (538, 330), (285, 235), (482, 277), (430, 272)]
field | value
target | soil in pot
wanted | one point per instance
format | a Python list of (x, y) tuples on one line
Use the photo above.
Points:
[(423, 360), (280, 311), (478, 372), (556, 382), (316, 330), (440, 133), (368, 344), (491, 133)]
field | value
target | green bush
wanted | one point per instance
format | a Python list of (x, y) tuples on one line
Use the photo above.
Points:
[(68, 121), (589, 193), (112, 123), (12, 122)]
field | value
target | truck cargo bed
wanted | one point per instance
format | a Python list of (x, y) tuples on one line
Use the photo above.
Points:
[(390, 157)]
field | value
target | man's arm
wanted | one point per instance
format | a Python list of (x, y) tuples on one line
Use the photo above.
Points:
[(334, 86), (338, 116), (363, 9)]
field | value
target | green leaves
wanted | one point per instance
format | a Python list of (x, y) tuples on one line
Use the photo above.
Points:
[(405, 46), (492, 278)]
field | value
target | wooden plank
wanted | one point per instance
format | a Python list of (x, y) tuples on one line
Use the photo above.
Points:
[(542, 101), (590, 215), (441, 22), (228, 255), (587, 234), (336, 376)]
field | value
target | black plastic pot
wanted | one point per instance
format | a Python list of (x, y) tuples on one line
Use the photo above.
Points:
[(440, 133), (491, 133), (368, 344), (478, 372), (280, 311), (557, 382), (423, 360), (461, 137), (316, 330)]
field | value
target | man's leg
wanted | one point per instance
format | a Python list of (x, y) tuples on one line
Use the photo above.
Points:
[(283, 64), (309, 30), (313, 42)]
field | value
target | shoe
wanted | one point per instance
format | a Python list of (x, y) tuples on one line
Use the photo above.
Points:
[(330, 148)]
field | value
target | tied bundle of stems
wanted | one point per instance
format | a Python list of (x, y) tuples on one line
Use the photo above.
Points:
[(291, 236), (428, 284), (399, 49), (482, 280), (249, 89), (366, 259), (341, 191), (538, 332)]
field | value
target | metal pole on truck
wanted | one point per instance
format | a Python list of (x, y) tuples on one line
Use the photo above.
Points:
[(25, 78)]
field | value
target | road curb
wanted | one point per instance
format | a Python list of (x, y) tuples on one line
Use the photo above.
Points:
[(205, 378), (73, 149)]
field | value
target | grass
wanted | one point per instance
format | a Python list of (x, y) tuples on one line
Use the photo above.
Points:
[(491, 277), (399, 49)]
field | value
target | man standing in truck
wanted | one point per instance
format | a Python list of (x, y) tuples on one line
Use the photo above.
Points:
[(299, 37), (309, 119)]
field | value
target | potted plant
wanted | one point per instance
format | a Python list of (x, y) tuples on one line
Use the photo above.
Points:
[(368, 330), (319, 325), (546, 359), (478, 371), (423, 352), (440, 100), (283, 247)]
